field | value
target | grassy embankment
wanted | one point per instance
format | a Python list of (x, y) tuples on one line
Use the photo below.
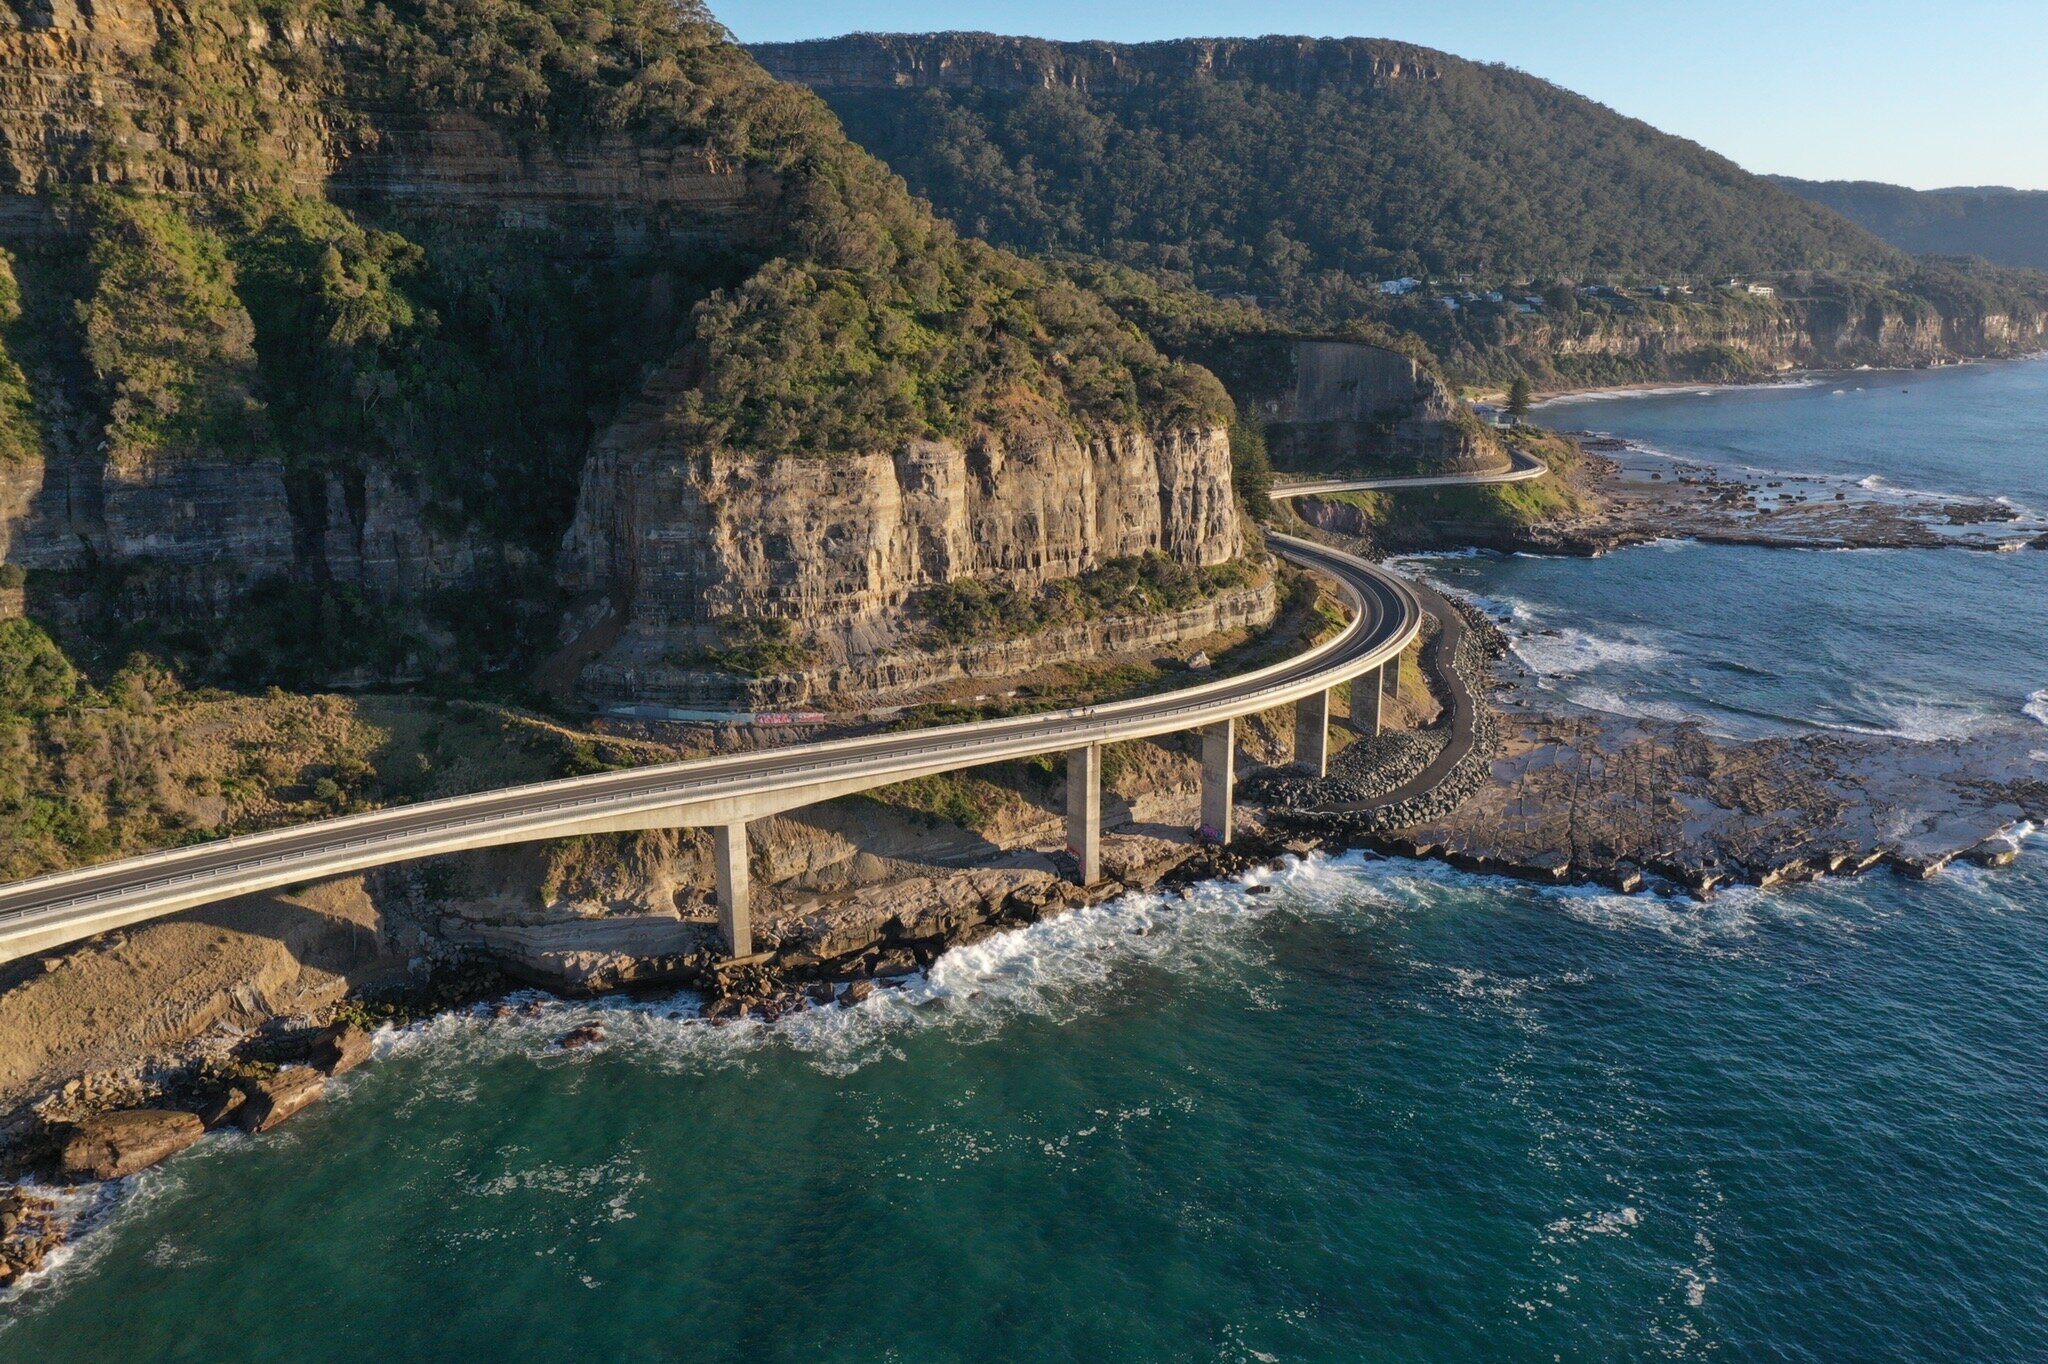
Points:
[(90, 772), (1426, 517)]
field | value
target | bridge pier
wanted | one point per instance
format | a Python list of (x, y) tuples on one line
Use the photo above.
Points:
[(1365, 703), (1084, 810), (1219, 773), (1312, 734), (735, 919), (1393, 681)]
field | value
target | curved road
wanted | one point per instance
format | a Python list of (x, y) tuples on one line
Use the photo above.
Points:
[(1462, 705), (65, 907), (1523, 467)]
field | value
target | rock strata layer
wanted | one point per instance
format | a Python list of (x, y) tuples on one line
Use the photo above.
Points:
[(690, 545), (281, 1096)]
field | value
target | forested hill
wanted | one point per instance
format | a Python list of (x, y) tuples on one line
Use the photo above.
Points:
[(1301, 168), (2004, 226)]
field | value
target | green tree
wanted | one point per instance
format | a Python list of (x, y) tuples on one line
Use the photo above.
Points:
[(1520, 394), (1251, 467)]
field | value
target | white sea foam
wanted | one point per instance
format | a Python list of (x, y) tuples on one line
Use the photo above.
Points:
[(1919, 721), (1614, 703), (2036, 708), (1571, 652), (1058, 968), (1607, 1222)]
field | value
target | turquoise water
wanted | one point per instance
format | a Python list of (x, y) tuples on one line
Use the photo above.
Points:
[(1388, 1112)]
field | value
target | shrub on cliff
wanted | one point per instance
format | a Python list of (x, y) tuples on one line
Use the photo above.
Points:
[(966, 609), (20, 439), (170, 345), (35, 676), (869, 323)]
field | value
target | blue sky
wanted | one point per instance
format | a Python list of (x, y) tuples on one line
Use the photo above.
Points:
[(1923, 94)]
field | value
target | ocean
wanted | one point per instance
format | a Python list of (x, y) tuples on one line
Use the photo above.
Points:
[(1387, 1112)]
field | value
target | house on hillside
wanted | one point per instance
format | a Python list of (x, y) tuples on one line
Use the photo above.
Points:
[(1397, 288)]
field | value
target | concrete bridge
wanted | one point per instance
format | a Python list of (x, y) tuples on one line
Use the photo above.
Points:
[(723, 794)]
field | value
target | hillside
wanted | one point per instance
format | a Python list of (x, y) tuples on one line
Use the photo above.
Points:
[(1530, 232), (350, 315), (1303, 169), (2004, 226)]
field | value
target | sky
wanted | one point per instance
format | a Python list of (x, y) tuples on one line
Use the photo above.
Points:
[(1929, 94)]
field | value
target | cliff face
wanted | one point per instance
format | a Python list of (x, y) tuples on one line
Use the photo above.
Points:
[(1800, 334), (78, 94), (1355, 405), (979, 61), (688, 544)]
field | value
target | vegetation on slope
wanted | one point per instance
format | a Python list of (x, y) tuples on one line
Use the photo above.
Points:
[(88, 773), (967, 609), (20, 439), (2004, 226), (1306, 171), (1428, 518)]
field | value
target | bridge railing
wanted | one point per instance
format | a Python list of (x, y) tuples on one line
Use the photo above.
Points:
[(1216, 700)]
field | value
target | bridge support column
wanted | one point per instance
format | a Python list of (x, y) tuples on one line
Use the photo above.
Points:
[(1084, 810), (729, 849), (1393, 683), (1219, 772), (1365, 703), (1312, 734)]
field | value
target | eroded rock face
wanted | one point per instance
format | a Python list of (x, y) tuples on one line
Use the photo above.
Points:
[(116, 1145), (687, 540)]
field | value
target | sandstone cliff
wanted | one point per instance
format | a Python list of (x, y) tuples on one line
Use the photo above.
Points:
[(1352, 405), (980, 61), (1794, 333), (689, 543)]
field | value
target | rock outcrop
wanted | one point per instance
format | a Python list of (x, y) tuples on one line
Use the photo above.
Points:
[(515, 237), (279, 1097), (1792, 333), (116, 1145)]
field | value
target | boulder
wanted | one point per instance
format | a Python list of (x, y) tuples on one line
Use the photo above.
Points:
[(116, 1145), (589, 1035), (856, 992), (339, 1049), (273, 1100)]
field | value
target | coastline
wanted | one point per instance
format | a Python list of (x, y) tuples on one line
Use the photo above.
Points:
[(1788, 378), (1516, 743)]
